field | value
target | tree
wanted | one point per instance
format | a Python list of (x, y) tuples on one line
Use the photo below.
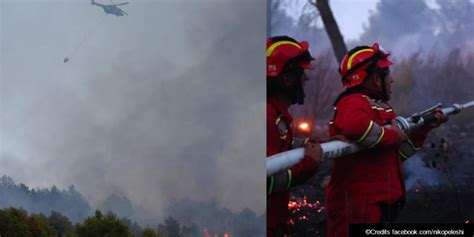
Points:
[(6, 181), (246, 220), (278, 21), (172, 227), (148, 232), (404, 27), (38, 226), (122, 206), (405, 85), (100, 226), (191, 231), (70, 203), (60, 223), (13, 222), (134, 227), (16, 222)]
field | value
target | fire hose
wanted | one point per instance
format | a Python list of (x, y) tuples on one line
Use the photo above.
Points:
[(335, 149)]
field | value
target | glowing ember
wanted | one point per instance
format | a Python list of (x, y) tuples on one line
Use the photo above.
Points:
[(417, 190), (304, 126), (467, 222), (304, 210)]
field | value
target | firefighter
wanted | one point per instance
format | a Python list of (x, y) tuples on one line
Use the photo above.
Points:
[(286, 61), (368, 187)]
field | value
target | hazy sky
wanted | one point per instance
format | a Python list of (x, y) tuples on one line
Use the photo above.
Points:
[(351, 15), (164, 103)]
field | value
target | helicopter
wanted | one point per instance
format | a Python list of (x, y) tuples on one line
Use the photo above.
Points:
[(111, 8)]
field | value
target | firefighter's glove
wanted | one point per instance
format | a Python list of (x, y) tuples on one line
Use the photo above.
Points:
[(440, 118)]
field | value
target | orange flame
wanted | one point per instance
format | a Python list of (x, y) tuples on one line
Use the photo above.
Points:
[(205, 233)]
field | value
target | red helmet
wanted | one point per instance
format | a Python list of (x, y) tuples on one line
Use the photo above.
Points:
[(354, 64), (282, 49)]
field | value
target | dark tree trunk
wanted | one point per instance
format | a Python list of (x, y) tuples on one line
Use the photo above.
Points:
[(332, 29)]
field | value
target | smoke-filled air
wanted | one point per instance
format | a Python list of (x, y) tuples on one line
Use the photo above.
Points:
[(149, 110)]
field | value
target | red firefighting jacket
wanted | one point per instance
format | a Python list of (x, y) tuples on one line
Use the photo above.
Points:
[(375, 174), (280, 139)]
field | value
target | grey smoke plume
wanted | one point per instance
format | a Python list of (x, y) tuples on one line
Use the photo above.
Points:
[(165, 103), (408, 27)]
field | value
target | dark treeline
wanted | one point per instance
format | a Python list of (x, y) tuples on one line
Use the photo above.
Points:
[(17, 222), (69, 202), (57, 212)]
